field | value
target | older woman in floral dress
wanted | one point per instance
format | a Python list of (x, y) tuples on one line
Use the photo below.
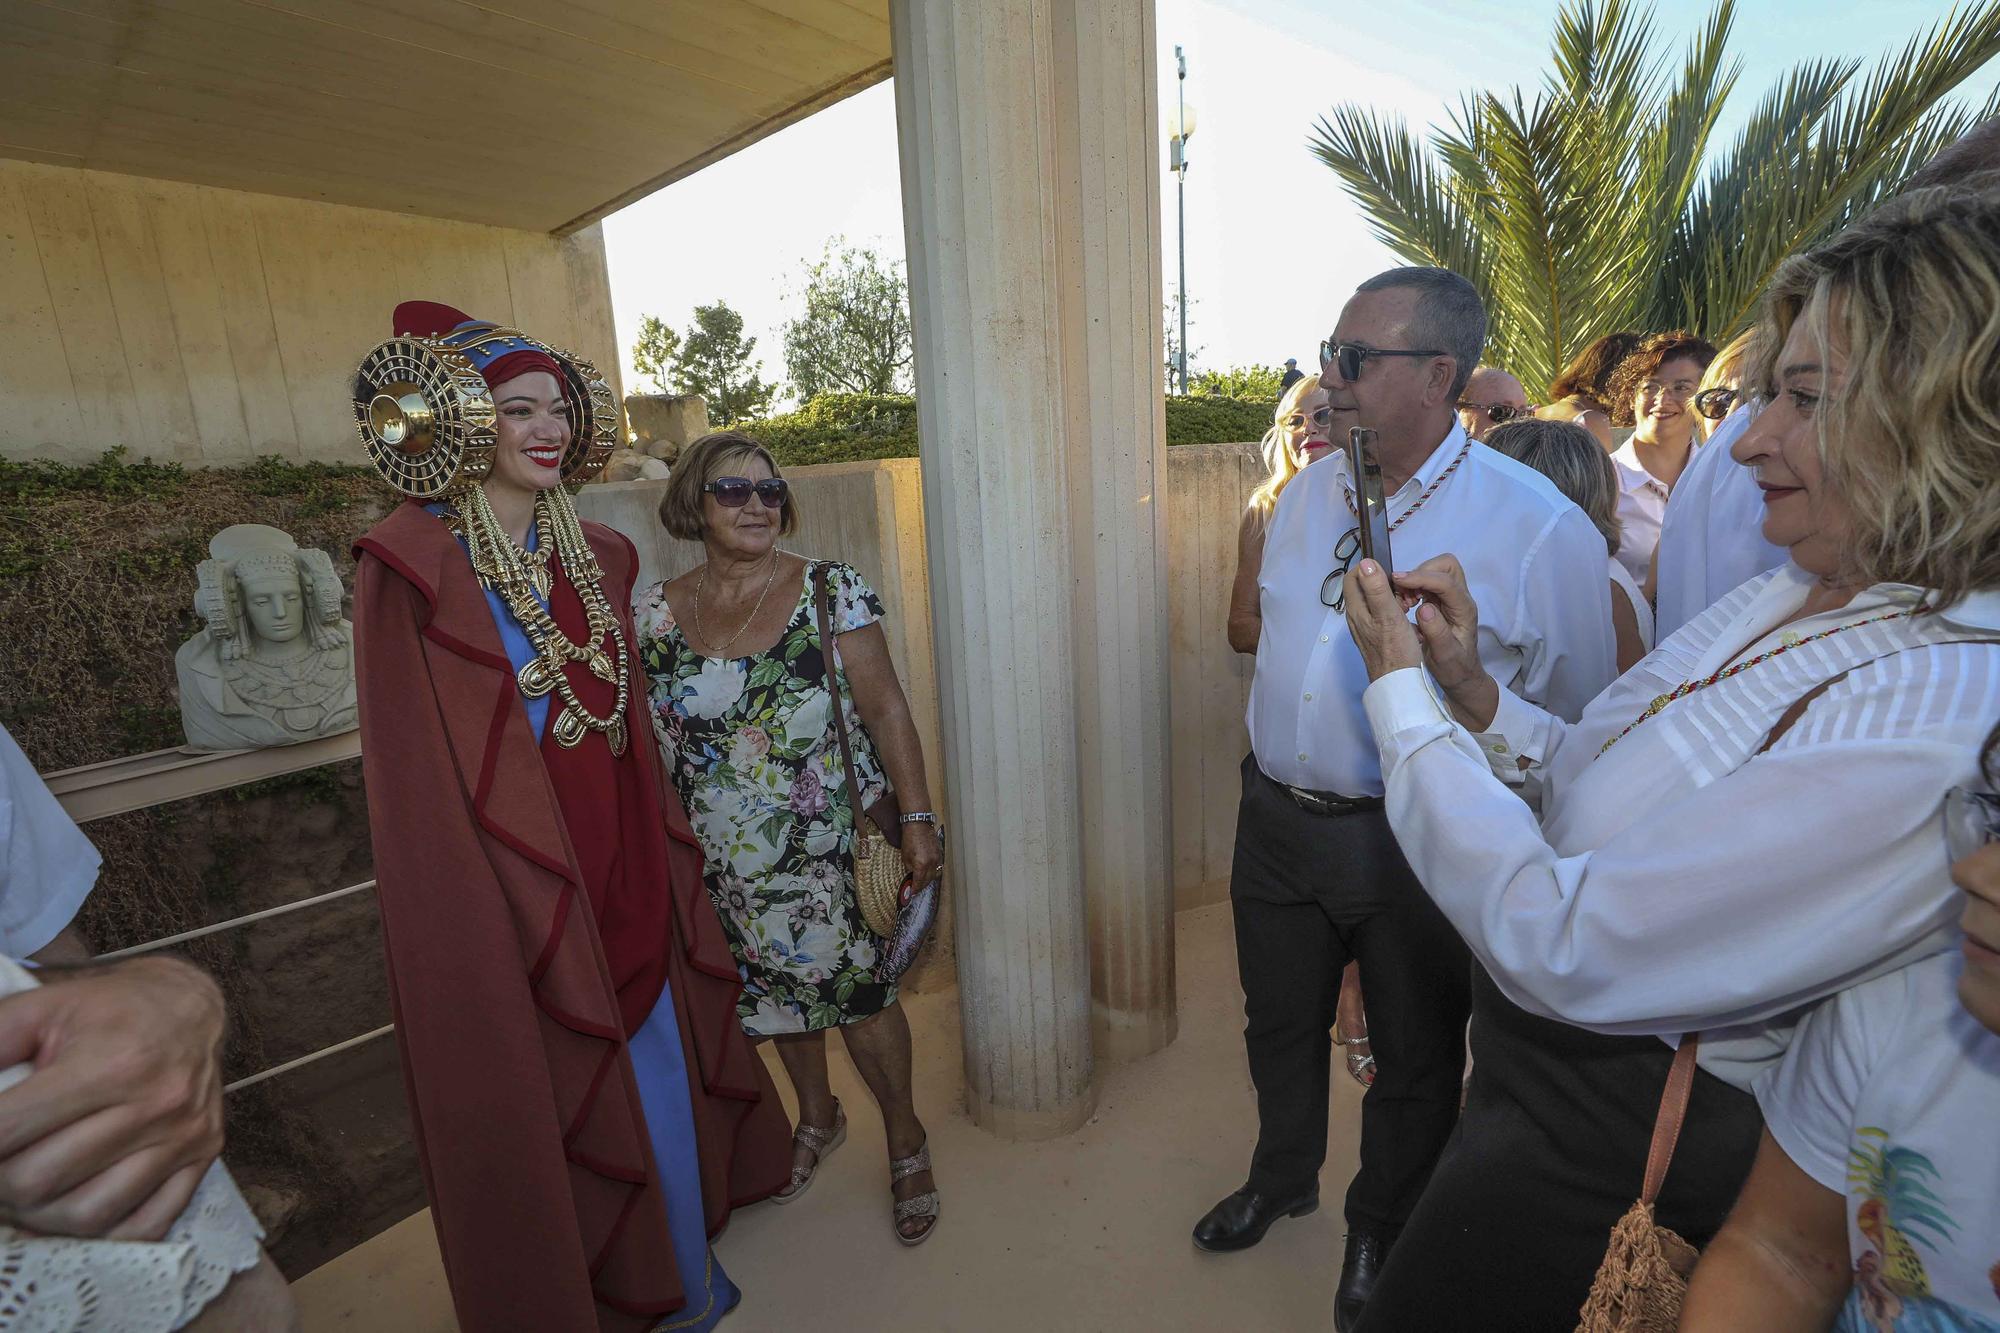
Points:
[(737, 678)]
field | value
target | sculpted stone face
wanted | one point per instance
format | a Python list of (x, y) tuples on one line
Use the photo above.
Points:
[(275, 664), (276, 606)]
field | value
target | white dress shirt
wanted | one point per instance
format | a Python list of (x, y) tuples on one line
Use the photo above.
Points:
[(47, 866), (1712, 538), (1533, 560), (1642, 503), (1680, 881)]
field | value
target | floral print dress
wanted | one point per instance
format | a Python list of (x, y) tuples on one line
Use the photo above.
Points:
[(752, 749)]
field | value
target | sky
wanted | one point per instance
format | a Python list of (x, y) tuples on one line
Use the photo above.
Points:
[(1273, 243)]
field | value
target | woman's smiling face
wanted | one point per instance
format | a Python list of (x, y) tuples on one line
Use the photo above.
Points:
[(1801, 512)]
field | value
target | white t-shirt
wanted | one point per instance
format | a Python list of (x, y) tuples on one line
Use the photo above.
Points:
[(47, 866), (1890, 1095)]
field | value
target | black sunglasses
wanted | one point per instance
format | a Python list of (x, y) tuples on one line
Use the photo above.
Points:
[(1715, 403), (734, 492), (1297, 420), (1351, 356), (1332, 589), (1499, 412)]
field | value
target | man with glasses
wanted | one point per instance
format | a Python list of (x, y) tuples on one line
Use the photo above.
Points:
[(1491, 398), (1318, 878)]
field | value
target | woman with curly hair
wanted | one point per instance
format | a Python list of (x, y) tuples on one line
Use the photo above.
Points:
[(1653, 391)]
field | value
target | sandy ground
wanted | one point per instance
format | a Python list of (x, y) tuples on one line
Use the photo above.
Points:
[(1088, 1232)]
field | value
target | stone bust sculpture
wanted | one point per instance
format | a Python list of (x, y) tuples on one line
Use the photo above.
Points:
[(275, 665)]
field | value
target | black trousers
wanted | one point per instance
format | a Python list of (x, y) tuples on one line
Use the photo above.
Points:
[(1549, 1154), (1310, 892)]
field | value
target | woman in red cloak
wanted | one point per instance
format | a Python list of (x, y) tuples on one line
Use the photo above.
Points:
[(586, 1108)]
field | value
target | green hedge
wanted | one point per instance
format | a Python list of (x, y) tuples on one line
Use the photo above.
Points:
[(848, 427)]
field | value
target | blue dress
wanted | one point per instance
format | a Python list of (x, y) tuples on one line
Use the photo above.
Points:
[(659, 1066)]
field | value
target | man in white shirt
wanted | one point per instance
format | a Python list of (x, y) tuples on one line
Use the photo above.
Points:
[(1318, 878), (1711, 540)]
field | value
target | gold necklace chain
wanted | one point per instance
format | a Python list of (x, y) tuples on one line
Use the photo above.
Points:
[(505, 567), (701, 582)]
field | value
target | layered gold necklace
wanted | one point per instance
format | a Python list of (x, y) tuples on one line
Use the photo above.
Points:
[(522, 579)]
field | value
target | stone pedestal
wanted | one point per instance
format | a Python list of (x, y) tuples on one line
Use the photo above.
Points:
[(665, 423), (1029, 195)]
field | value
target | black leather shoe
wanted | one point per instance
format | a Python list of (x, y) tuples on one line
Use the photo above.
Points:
[(1241, 1220), (1367, 1251)]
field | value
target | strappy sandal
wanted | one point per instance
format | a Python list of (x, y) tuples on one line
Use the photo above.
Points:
[(922, 1205), (1360, 1058), (821, 1143)]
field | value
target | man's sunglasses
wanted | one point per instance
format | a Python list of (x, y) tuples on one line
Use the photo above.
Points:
[(734, 492), (1297, 420), (1715, 403), (1499, 412), (1350, 357)]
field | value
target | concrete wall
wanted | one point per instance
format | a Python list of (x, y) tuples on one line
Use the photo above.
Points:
[(210, 326), (871, 515)]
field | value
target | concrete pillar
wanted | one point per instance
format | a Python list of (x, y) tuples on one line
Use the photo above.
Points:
[(1107, 112), (1035, 304)]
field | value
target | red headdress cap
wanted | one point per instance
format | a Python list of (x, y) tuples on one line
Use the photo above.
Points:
[(497, 362)]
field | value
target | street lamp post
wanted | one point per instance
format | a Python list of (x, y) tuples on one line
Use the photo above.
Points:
[(1181, 130)]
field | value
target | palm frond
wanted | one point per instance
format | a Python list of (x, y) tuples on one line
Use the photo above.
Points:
[(1412, 207)]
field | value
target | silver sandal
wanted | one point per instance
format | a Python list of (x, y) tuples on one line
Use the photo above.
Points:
[(923, 1205), (821, 1142)]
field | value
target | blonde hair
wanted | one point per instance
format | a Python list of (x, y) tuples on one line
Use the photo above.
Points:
[(1911, 439), (709, 457), (1731, 364), (1571, 457), (1281, 462)]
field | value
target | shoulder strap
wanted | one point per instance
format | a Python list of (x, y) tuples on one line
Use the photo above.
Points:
[(823, 613), (1798, 709), (1673, 1110)]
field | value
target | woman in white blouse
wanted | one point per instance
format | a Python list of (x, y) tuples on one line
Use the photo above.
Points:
[(1793, 748), (1652, 391)]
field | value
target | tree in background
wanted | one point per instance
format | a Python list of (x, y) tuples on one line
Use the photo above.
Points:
[(656, 350), (1171, 317), (1595, 207), (1258, 383), (854, 334), (714, 361)]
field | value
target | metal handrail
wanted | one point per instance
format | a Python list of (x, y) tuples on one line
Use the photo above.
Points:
[(233, 922)]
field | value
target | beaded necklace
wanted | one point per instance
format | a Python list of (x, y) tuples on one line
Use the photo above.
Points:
[(1686, 688), (503, 566), (1428, 491)]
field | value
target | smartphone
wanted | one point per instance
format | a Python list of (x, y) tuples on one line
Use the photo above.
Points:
[(1371, 503)]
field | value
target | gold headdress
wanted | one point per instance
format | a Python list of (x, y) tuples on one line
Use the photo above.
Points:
[(423, 404)]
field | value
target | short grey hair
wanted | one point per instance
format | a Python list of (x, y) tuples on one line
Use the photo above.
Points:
[(1449, 316)]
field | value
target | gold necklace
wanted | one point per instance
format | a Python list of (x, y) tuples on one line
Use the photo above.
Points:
[(505, 567), (722, 650)]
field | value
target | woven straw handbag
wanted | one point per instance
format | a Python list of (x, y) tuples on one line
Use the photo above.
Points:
[(878, 830), (1640, 1286)]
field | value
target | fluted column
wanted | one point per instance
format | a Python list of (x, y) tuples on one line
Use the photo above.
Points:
[(1035, 303), (1115, 385)]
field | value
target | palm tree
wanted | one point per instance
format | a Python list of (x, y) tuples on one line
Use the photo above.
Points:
[(1597, 206)]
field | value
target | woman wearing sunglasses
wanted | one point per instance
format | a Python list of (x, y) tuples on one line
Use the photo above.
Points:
[(736, 671), (585, 1111), (1652, 391)]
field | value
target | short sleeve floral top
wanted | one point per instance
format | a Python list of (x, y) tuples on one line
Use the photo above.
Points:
[(751, 747)]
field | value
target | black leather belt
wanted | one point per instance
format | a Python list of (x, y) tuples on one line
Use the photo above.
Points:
[(1327, 802)]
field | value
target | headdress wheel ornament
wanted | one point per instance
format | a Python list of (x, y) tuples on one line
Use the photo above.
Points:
[(426, 417)]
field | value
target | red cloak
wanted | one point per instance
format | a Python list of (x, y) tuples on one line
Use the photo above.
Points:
[(535, 1153)]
